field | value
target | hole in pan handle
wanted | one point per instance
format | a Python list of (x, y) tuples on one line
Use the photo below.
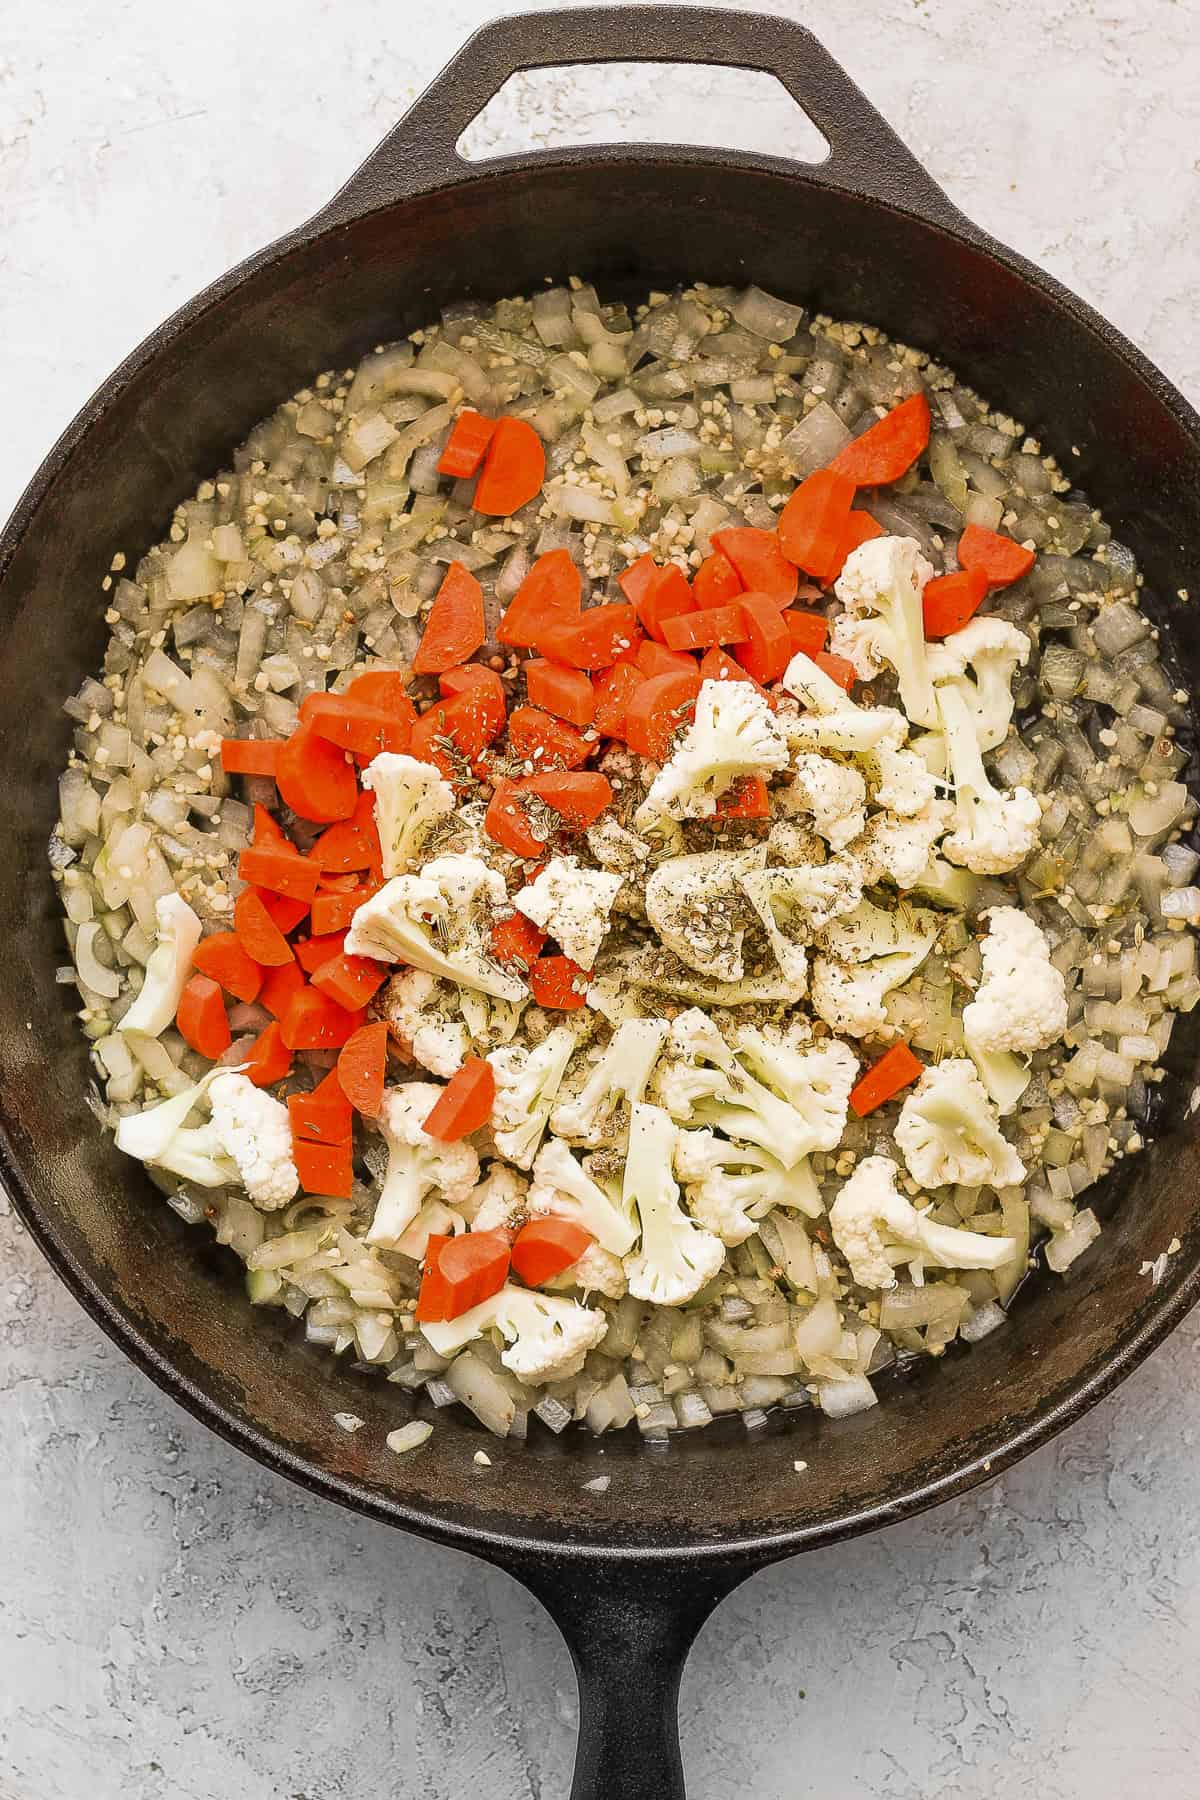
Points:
[(419, 154)]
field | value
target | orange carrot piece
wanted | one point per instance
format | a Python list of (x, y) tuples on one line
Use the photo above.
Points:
[(760, 564), (885, 450), (350, 980), (859, 528), (1001, 558), (516, 939), (567, 693), (280, 987), (807, 630), (257, 932), (314, 778), (465, 1103), (656, 711), (250, 756), (547, 743), (579, 796), (700, 630), (950, 601), (506, 821), (324, 1168), (597, 638), (224, 958), (268, 1059), (314, 1022), (558, 983), (668, 597), (454, 629), (767, 648), (281, 871), (715, 582), (268, 832), (334, 912), (715, 665), (655, 659), (545, 1247), (837, 668), (897, 1068), (323, 1116), (614, 688), (312, 952), (469, 437), (353, 724), (362, 1068), (514, 467), (461, 1272), (636, 581), (551, 592), (469, 722), (433, 1300), (346, 848), (813, 523), (201, 1020)]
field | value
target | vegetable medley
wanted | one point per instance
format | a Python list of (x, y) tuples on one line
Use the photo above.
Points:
[(633, 865)]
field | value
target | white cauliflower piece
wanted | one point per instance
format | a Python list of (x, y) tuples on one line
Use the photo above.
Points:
[(880, 586), (868, 953), (733, 733), (161, 1136), (439, 921), (255, 1130), (597, 1271), (527, 1084), (562, 1186), (833, 720), (1020, 1004), (416, 1006), (980, 661), (695, 904), (795, 903), (815, 1079), (898, 850), (900, 780), (592, 1115), (572, 904), (994, 831), (498, 1201), (949, 1135), (548, 1338), (676, 1258), (731, 1187), (417, 1165), (177, 932), (876, 1228), (832, 792), (410, 798)]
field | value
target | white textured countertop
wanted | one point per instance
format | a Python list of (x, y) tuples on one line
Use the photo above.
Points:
[(176, 1624)]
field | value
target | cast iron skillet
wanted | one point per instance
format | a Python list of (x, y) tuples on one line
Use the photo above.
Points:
[(629, 1574)]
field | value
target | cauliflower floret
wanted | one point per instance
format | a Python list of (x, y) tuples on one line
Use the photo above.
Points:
[(990, 650), (597, 1271), (1020, 1003), (438, 921), (592, 1115), (255, 1130), (415, 1005), (634, 982), (900, 780), (572, 904), (733, 733), (177, 933), (561, 1186), (417, 1164), (994, 831), (949, 1135), (498, 1201), (793, 845), (616, 849), (731, 1187), (815, 1080), (898, 850), (410, 798), (796, 903), (868, 953), (676, 1258), (161, 1136), (876, 1228), (880, 586), (527, 1084), (695, 904), (548, 1338), (834, 721), (832, 792)]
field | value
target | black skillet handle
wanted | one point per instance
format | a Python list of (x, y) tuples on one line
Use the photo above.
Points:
[(629, 1628), (420, 153)]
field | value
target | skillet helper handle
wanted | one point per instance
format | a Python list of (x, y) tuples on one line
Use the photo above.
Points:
[(629, 1629), (420, 153)]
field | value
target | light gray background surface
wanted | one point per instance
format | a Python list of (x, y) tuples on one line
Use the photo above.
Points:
[(176, 1624)]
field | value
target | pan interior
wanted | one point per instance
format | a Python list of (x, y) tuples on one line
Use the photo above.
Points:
[(172, 1295)]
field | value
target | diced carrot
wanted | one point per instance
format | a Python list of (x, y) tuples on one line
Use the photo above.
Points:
[(761, 566), (345, 847), (362, 1068), (353, 724), (949, 601), (567, 693), (837, 668), (558, 983), (323, 1116), (579, 796), (545, 1247), (716, 581), (281, 871), (257, 932), (461, 1272), (813, 523), (465, 1103), (506, 821), (551, 592), (469, 722), (338, 884), (471, 675), (636, 581), (387, 691), (859, 528), (885, 450), (225, 958), (314, 778), (514, 467), (715, 665), (315, 1022), (655, 659), (656, 711), (547, 743), (268, 1059), (280, 987), (597, 638), (700, 630), (313, 951), (200, 1018), (454, 629), (516, 939), (268, 832), (334, 912), (746, 799), (613, 688), (807, 630), (767, 648), (667, 597), (350, 980), (469, 437), (250, 756), (897, 1068), (284, 911), (324, 1168), (1001, 559)]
